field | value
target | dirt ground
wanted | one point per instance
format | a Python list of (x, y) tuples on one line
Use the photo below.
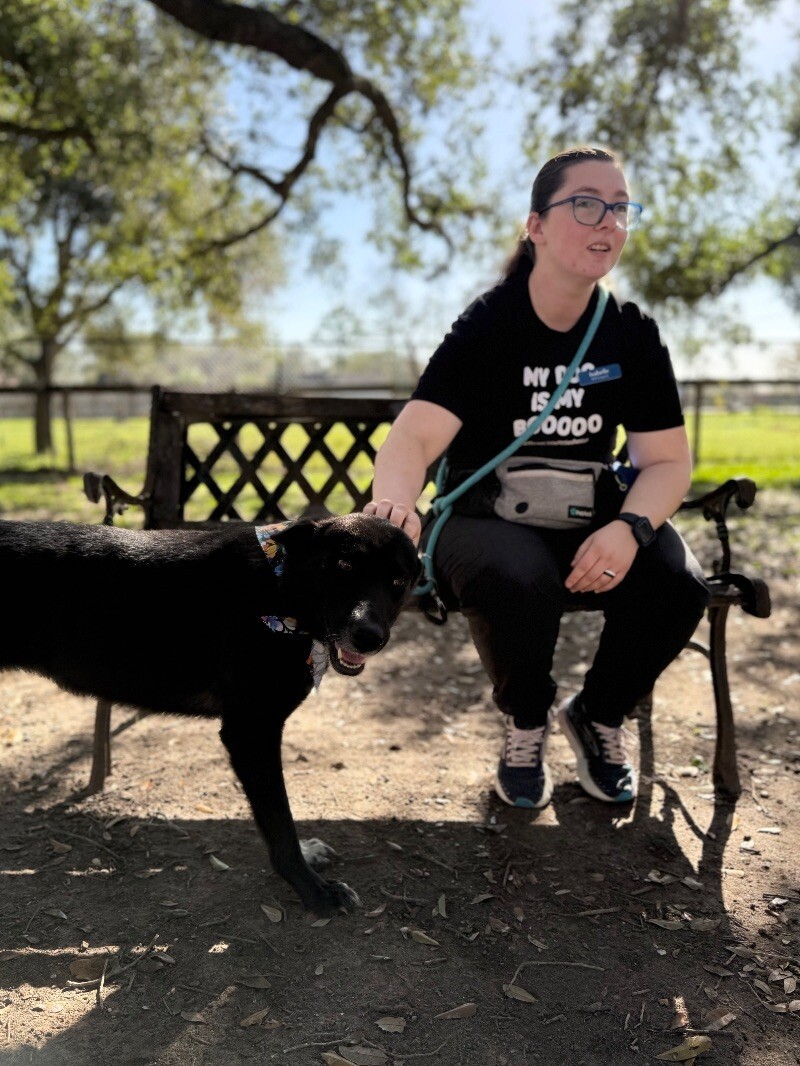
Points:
[(577, 935)]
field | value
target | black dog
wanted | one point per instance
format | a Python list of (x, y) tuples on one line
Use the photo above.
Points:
[(234, 622)]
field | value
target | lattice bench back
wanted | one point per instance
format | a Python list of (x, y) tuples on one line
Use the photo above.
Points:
[(259, 458)]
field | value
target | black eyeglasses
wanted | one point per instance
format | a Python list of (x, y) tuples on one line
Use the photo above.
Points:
[(591, 210)]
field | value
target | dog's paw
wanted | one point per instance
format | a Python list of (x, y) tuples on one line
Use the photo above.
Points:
[(317, 853), (335, 897)]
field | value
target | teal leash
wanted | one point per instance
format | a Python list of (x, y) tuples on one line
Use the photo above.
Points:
[(443, 505)]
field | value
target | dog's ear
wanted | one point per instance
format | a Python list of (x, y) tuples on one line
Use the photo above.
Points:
[(296, 535)]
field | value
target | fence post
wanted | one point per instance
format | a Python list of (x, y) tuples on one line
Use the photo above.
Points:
[(68, 424), (698, 403)]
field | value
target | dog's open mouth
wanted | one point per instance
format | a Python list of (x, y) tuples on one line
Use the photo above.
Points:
[(345, 661)]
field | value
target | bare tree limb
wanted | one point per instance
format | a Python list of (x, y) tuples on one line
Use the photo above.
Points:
[(233, 23)]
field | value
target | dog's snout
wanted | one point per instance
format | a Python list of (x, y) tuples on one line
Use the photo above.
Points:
[(367, 636)]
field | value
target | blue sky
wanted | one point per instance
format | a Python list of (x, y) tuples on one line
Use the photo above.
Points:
[(296, 311)]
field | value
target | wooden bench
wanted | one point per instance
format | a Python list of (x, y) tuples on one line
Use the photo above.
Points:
[(260, 458)]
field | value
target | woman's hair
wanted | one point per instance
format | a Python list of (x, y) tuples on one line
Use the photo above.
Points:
[(545, 186)]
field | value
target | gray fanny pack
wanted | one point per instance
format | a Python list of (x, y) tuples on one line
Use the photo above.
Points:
[(551, 494)]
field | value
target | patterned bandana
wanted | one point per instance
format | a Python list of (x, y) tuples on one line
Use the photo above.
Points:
[(275, 553)]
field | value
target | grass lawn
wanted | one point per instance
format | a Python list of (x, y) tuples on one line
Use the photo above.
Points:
[(761, 444)]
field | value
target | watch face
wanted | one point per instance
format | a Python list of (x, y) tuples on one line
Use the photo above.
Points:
[(644, 532)]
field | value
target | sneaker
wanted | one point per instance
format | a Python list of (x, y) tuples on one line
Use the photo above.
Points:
[(523, 777), (605, 769)]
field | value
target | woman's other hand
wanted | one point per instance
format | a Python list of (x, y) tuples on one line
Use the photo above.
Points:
[(608, 551)]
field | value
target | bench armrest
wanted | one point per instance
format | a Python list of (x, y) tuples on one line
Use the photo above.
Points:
[(714, 505), (117, 499)]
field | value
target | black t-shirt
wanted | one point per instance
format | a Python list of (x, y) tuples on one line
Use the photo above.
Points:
[(496, 368)]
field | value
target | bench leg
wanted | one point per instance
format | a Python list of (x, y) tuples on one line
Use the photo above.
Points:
[(726, 774), (101, 749)]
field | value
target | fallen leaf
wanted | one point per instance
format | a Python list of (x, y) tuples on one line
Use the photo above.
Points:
[(6, 956), (88, 967), (391, 1025), (441, 907), (704, 925), (743, 953), (693, 883), (218, 864), (335, 1060), (320, 922), (423, 938), (363, 1056), (720, 971), (377, 912), (718, 1019), (204, 807), (275, 914), (198, 1019), (481, 898), (466, 1010), (59, 847), (515, 992), (667, 923), (794, 1006), (762, 986), (55, 913), (691, 1047), (660, 879), (497, 925), (777, 1008), (254, 1019), (789, 985)]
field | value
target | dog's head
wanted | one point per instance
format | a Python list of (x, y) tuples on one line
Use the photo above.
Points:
[(347, 579)]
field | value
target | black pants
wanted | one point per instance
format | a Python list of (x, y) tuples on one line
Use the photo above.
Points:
[(508, 580)]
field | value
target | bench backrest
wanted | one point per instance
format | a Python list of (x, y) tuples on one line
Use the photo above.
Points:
[(259, 457)]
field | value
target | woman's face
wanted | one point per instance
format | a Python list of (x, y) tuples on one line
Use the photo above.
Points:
[(571, 248)]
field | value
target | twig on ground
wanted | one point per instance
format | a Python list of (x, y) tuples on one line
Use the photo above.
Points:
[(425, 1054), (554, 962), (403, 899), (87, 840)]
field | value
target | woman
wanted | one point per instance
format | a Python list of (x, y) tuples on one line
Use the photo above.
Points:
[(493, 372)]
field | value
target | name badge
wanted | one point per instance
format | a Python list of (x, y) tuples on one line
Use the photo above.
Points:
[(598, 375)]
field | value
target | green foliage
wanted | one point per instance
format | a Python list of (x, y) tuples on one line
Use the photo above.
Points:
[(105, 109), (709, 142)]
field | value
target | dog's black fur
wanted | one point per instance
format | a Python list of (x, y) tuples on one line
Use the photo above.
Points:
[(171, 621)]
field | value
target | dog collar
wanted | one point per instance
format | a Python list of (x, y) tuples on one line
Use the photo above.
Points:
[(275, 554)]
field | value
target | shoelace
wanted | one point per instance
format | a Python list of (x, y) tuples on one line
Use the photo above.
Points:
[(617, 743), (523, 746)]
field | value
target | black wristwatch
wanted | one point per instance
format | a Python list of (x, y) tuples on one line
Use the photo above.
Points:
[(641, 528)]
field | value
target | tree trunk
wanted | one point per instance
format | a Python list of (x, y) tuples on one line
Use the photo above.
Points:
[(43, 368)]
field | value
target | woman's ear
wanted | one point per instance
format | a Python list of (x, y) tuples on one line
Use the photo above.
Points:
[(533, 227)]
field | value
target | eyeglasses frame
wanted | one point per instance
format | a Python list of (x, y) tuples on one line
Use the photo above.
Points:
[(608, 207)]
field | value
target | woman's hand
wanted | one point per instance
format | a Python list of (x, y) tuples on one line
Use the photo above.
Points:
[(610, 550), (405, 518)]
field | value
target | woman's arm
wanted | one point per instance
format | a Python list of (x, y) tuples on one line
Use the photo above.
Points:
[(419, 435), (664, 463)]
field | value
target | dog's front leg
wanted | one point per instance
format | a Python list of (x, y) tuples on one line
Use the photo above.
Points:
[(255, 753)]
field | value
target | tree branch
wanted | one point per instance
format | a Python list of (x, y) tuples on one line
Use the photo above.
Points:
[(791, 238), (45, 135), (233, 23)]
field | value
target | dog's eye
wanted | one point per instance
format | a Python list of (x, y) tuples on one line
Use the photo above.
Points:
[(345, 565)]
